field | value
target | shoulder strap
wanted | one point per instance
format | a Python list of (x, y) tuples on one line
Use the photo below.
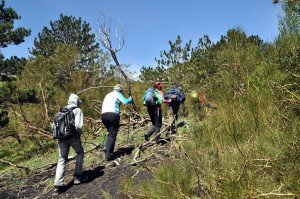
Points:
[(71, 109)]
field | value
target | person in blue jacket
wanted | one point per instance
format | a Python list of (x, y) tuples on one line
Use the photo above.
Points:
[(177, 97), (111, 118)]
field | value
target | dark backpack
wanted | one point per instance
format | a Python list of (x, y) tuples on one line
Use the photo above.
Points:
[(64, 123), (175, 95), (149, 98)]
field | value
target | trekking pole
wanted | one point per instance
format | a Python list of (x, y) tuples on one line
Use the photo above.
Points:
[(128, 125), (170, 120), (104, 140)]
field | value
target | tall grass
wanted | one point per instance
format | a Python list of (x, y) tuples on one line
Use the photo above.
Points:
[(246, 149), (249, 146)]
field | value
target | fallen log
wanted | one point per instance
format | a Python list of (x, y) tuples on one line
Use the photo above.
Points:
[(27, 170)]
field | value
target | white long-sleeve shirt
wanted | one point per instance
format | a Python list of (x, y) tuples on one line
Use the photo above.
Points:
[(112, 102)]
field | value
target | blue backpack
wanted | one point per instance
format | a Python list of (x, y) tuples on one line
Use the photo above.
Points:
[(175, 95), (149, 99)]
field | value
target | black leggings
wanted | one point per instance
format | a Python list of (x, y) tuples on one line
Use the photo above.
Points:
[(111, 122), (156, 119)]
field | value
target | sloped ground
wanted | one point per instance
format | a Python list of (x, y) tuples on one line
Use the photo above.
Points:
[(103, 180)]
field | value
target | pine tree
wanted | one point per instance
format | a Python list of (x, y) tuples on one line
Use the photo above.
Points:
[(9, 67), (71, 31)]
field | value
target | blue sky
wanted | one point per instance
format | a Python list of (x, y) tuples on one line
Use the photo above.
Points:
[(150, 24)]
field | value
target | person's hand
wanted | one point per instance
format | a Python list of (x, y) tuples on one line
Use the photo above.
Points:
[(131, 99), (167, 101)]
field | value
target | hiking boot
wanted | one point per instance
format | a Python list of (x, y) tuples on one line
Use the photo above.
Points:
[(162, 141), (147, 138), (80, 179), (157, 139), (110, 156), (57, 190), (173, 131)]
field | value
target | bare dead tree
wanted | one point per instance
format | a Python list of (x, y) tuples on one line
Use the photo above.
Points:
[(45, 104), (104, 35)]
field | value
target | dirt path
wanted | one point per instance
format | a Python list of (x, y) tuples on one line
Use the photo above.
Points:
[(102, 180)]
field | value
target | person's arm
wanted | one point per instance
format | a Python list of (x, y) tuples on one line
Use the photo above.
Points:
[(182, 96), (164, 100), (159, 96), (79, 120), (167, 101), (123, 99)]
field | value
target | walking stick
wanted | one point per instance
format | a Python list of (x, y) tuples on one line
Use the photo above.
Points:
[(128, 125)]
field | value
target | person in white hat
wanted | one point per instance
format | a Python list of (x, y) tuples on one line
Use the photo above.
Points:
[(111, 117)]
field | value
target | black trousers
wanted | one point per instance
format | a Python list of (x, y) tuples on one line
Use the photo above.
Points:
[(111, 122), (174, 106), (173, 115), (155, 114)]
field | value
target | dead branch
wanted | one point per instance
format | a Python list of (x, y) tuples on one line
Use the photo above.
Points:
[(93, 87), (38, 129), (27, 170), (89, 119), (104, 36), (275, 193), (11, 134), (47, 167), (144, 145), (71, 158), (136, 130), (245, 161), (44, 102), (176, 187), (137, 153), (196, 170), (91, 143), (30, 125), (151, 140), (98, 132), (135, 162), (137, 172)]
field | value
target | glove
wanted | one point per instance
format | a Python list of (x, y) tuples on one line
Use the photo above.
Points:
[(167, 101), (131, 99)]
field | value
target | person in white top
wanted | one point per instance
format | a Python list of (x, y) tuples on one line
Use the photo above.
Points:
[(111, 118), (64, 148)]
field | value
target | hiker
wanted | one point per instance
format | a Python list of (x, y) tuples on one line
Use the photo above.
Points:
[(64, 146), (111, 117), (177, 97), (153, 99)]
